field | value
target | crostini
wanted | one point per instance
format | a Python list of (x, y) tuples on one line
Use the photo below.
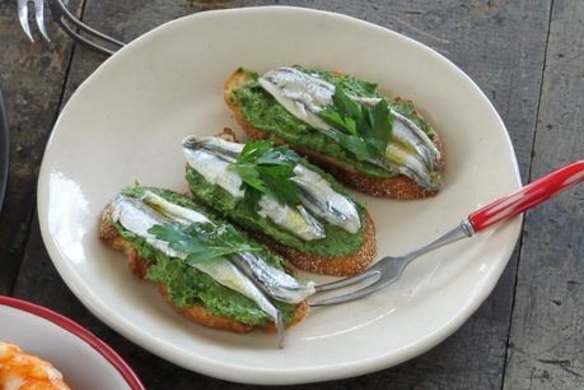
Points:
[(292, 206), (205, 268), (374, 145)]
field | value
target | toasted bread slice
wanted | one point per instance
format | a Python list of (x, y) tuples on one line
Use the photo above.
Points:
[(197, 312), (345, 265), (395, 187)]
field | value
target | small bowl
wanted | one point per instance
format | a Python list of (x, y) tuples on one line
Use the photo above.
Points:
[(85, 361)]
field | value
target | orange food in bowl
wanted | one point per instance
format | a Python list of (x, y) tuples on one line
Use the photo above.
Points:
[(21, 371)]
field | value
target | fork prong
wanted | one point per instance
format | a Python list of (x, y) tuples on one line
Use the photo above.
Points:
[(82, 39), (39, 14), (347, 282), (64, 12), (352, 296), (23, 18)]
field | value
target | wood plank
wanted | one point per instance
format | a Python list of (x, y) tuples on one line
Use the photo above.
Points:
[(500, 45), (32, 78), (547, 338)]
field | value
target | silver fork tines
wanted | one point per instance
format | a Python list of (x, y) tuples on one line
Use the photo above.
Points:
[(39, 6), (68, 22), (39, 16), (386, 271)]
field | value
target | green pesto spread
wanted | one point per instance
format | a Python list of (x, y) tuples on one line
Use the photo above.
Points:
[(338, 242), (264, 113), (187, 286)]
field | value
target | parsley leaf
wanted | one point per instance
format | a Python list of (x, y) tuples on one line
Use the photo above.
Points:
[(202, 242), (267, 169), (380, 126), (250, 176), (363, 130), (278, 156), (345, 105), (353, 143), (335, 119)]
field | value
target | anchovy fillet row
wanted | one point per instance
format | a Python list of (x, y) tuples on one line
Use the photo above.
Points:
[(410, 151), (277, 283), (316, 195), (207, 161), (200, 152), (212, 166), (245, 273)]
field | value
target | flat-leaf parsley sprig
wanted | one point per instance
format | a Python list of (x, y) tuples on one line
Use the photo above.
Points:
[(268, 169), (364, 130), (202, 241)]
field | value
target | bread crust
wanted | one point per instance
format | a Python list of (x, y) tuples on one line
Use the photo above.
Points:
[(397, 187), (197, 312)]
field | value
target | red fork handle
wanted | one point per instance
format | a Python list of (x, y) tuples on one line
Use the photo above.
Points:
[(527, 197)]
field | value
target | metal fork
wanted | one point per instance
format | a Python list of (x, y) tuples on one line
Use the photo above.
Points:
[(389, 269), (68, 22), (39, 14)]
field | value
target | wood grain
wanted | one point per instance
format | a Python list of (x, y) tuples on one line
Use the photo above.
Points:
[(32, 77), (547, 335)]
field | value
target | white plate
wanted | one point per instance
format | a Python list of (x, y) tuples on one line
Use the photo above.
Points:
[(125, 123), (85, 361)]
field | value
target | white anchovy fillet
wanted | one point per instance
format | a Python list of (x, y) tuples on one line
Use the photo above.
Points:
[(410, 165), (406, 131), (301, 94), (275, 282), (138, 218), (408, 135), (316, 193), (203, 157), (318, 196), (173, 211), (212, 167), (296, 220), (229, 150), (305, 95)]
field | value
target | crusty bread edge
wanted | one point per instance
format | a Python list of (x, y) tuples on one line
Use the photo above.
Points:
[(197, 312), (398, 187)]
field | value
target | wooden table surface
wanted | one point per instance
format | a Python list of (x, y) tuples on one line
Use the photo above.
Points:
[(526, 55)]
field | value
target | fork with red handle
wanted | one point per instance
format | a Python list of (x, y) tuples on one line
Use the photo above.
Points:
[(389, 269)]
